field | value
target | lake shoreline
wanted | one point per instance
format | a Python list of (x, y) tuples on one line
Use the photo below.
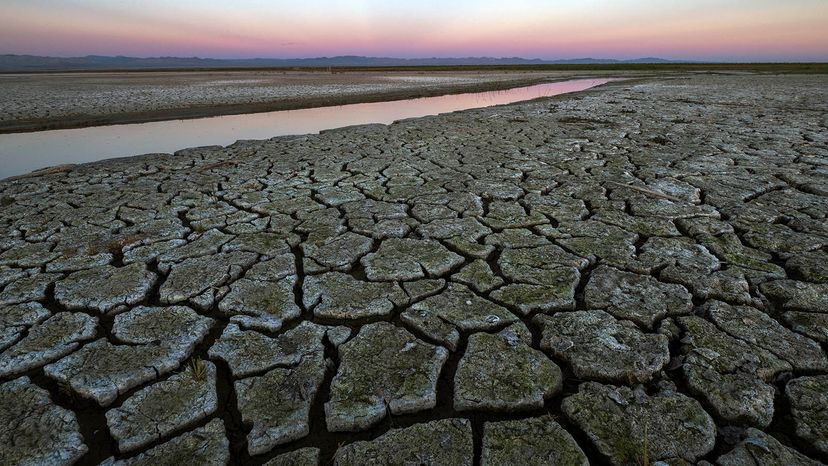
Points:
[(222, 108)]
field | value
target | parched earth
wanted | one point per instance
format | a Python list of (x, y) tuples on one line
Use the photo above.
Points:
[(635, 274)]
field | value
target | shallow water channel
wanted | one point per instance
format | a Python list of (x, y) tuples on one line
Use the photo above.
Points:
[(23, 152)]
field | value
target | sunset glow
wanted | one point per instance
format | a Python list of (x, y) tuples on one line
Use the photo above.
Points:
[(737, 30)]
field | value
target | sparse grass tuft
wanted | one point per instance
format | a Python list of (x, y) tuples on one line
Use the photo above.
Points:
[(198, 370), (643, 456), (117, 245)]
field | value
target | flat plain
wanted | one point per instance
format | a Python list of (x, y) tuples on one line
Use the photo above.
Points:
[(632, 274), (30, 102)]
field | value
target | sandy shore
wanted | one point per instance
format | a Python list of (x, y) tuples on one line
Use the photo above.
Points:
[(635, 271), (34, 102)]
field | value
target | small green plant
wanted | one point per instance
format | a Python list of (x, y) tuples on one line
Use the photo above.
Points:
[(198, 371)]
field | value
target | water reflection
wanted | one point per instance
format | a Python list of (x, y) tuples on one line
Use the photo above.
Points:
[(24, 152)]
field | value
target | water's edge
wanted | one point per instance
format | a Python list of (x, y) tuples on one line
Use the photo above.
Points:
[(22, 153)]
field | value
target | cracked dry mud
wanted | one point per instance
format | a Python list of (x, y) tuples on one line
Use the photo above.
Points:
[(633, 274)]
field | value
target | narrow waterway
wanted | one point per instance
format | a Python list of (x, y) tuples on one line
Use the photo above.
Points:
[(23, 152)]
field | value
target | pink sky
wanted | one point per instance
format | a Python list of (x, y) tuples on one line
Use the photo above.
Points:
[(739, 30)]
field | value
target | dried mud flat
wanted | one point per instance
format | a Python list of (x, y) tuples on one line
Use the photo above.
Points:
[(30, 102), (629, 275)]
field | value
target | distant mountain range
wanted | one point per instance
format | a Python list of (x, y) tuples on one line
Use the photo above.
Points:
[(10, 63)]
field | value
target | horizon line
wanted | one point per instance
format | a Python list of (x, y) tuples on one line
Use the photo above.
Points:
[(391, 57)]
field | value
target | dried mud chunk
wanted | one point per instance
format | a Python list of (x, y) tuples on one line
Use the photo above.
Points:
[(810, 266), (277, 403), (545, 278), (683, 261), (664, 208), (174, 326), (502, 373), (249, 352), (798, 296), (730, 375), (531, 442), (781, 240), (599, 347), (447, 442), (502, 215), (341, 252), (625, 425), (383, 368), (29, 255), (810, 324), (203, 244), (193, 277), (471, 248), (56, 337), (35, 431), (755, 264), (409, 259), (164, 407), (158, 341), (340, 296), (647, 226), (759, 329), (479, 276), (594, 240), (206, 446), (261, 304), (432, 326), (32, 288), (760, 449), (808, 397), (465, 228), (460, 307), (420, 289), (16, 318), (639, 298), (308, 456), (264, 243)]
